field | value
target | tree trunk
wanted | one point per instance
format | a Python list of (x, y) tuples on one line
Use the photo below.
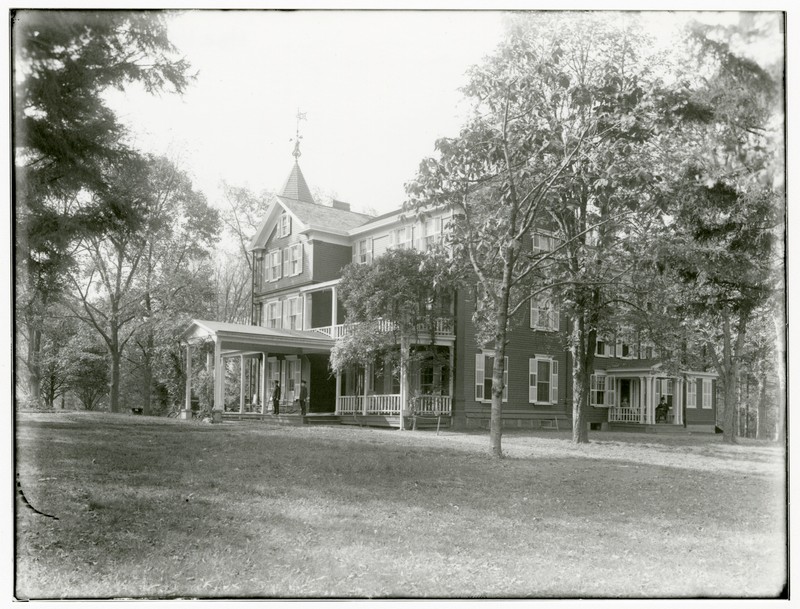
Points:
[(581, 370), (115, 357), (761, 412), (405, 381), (34, 364)]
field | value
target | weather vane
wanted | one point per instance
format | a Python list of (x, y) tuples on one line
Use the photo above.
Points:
[(301, 116)]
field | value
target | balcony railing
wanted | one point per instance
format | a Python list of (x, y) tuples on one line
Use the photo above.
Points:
[(442, 326)]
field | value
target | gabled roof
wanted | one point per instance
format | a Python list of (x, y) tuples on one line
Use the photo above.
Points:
[(322, 217), (296, 187)]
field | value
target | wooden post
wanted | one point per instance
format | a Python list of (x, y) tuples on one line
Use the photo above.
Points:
[(186, 413), (338, 391), (241, 384), (219, 383), (263, 391), (366, 387), (334, 308)]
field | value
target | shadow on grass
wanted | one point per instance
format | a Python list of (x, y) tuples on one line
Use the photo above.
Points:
[(167, 508)]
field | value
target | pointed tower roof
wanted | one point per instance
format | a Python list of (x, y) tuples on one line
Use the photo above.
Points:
[(296, 187)]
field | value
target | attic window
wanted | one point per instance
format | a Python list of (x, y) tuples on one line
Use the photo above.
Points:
[(284, 225)]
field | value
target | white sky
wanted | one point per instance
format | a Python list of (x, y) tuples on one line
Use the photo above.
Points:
[(377, 87)]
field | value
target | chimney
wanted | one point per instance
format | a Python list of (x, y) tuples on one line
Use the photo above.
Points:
[(340, 205)]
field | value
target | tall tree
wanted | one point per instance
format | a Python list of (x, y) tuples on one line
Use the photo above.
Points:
[(561, 111), (727, 199), (66, 138), (128, 280), (176, 273)]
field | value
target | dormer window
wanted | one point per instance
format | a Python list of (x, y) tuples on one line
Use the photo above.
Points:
[(284, 225)]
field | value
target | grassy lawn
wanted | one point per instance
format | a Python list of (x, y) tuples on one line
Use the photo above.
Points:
[(160, 508)]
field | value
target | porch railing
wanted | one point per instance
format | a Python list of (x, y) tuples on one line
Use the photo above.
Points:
[(389, 404), (383, 404), (350, 404), (443, 326), (433, 404), (627, 414)]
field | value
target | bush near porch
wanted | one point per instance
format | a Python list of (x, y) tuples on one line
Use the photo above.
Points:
[(162, 508)]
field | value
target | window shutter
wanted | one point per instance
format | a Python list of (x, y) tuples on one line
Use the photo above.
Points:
[(298, 369), (286, 262), (288, 224), (355, 253), (370, 246), (505, 379), (610, 400), (593, 390), (300, 249), (532, 380), (534, 313), (555, 318), (479, 376), (554, 382)]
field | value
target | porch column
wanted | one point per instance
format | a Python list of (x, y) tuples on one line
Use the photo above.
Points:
[(642, 400), (219, 383), (186, 413), (263, 383), (338, 391), (678, 402), (651, 405), (367, 369), (450, 376), (334, 307), (241, 383)]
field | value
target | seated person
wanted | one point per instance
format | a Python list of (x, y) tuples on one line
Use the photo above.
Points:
[(662, 409)]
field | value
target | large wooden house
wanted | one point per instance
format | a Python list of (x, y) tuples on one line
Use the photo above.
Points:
[(299, 252)]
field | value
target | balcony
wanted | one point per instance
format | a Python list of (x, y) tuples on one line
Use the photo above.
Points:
[(443, 328)]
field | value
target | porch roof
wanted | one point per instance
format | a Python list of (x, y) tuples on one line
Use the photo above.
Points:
[(243, 338)]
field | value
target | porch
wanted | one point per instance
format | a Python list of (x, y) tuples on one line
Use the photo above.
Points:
[(642, 397)]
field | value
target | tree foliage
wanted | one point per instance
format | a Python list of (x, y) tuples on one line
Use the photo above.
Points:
[(563, 112)]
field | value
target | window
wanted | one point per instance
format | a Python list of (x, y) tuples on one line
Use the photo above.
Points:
[(293, 369), (362, 252), (601, 391), (294, 313), (433, 231), (604, 348), (403, 238), (484, 365), (433, 379), (274, 314), (274, 265), (627, 346), (542, 380), (287, 262), (543, 242), (691, 393), (544, 313), (296, 259), (707, 403), (285, 225)]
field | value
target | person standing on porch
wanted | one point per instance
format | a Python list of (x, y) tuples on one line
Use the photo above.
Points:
[(303, 397), (276, 397)]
